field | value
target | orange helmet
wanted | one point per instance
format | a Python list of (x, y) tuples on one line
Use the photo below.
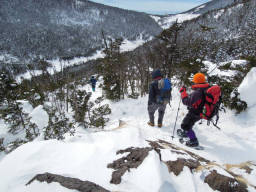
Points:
[(199, 78)]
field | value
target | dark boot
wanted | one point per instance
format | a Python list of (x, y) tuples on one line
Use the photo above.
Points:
[(192, 143), (151, 124), (181, 133)]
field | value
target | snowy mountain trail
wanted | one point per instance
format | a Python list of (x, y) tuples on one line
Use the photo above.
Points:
[(89, 153)]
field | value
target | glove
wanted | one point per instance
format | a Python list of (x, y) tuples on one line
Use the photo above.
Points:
[(182, 89), (183, 92)]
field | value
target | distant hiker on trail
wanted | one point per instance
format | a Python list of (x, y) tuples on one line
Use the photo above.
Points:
[(195, 108), (93, 83), (159, 96)]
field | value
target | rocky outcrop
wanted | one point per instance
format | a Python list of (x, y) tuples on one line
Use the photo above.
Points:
[(177, 166), (209, 170), (224, 183), (124, 164), (68, 182), (224, 178)]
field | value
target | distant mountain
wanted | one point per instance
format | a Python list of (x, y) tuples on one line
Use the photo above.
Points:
[(66, 28), (218, 36), (230, 30), (212, 5), (167, 21)]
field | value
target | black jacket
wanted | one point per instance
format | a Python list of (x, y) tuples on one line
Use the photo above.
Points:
[(195, 99)]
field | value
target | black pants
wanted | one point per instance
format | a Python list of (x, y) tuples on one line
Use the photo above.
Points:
[(151, 111), (189, 120)]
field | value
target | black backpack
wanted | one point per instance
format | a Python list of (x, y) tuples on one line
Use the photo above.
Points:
[(165, 88)]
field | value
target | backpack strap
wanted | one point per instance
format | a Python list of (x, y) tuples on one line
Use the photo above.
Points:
[(214, 124), (201, 106), (217, 114)]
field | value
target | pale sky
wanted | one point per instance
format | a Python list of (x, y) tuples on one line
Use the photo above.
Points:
[(154, 6)]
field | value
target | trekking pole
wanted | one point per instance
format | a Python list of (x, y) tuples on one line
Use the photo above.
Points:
[(176, 119), (215, 125)]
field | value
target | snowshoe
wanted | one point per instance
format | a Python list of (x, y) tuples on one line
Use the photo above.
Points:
[(191, 143), (181, 133)]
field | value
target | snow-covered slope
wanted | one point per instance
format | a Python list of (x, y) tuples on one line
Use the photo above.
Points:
[(166, 21), (87, 154), (66, 28), (212, 5), (58, 64)]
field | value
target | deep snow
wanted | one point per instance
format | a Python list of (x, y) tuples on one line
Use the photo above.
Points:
[(86, 155)]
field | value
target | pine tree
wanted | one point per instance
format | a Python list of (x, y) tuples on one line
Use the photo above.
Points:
[(170, 52), (98, 114), (112, 69), (79, 103), (12, 112), (58, 125), (2, 148)]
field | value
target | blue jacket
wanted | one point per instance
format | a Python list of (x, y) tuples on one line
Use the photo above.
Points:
[(93, 81)]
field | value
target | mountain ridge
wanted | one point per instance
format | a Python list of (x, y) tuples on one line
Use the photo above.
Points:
[(166, 21), (65, 28)]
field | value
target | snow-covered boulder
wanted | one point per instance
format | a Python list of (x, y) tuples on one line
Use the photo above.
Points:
[(247, 88)]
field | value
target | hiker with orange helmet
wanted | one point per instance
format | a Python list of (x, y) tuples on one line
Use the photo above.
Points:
[(195, 107)]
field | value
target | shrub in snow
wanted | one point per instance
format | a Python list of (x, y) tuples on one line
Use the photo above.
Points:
[(36, 98), (236, 103), (58, 125), (134, 95), (8, 87), (229, 84), (32, 131), (12, 113), (230, 96), (17, 120), (98, 114), (88, 113), (2, 148), (79, 103), (15, 144)]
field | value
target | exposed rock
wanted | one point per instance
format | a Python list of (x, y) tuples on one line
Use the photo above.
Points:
[(245, 166), (68, 182), (178, 152), (177, 166), (223, 183), (133, 160), (186, 158), (156, 147), (175, 147)]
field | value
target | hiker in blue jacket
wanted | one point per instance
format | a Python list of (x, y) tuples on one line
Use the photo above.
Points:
[(153, 103), (93, 83)]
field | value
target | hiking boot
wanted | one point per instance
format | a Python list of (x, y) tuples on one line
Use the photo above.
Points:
[(181, 133), (192, 143), (160, 125), (151, 124)]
